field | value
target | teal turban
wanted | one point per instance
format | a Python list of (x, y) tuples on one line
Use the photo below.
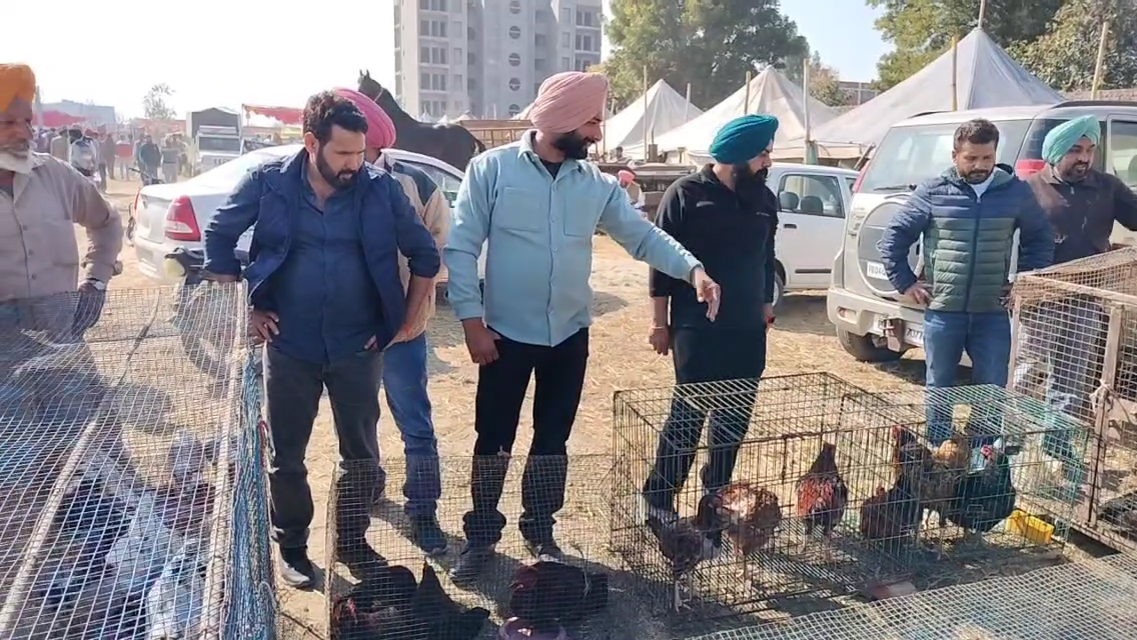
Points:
[(1063, 137), (743, 139)]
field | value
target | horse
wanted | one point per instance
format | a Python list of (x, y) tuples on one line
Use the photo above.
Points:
[(451, 143)]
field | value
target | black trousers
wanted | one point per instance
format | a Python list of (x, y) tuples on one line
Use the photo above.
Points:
[(707, 355), (502, 386), (293, 389)]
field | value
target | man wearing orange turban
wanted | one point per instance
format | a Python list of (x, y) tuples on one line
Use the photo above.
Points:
[(539, 204), (40, 197)]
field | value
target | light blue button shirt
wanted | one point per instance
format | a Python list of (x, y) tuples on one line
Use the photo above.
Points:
[(537, 232)]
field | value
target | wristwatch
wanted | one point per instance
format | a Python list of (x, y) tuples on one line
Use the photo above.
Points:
[(99, 285)]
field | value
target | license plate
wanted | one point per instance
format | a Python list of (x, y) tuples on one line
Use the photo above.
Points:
[(913, 335), (875, 270)]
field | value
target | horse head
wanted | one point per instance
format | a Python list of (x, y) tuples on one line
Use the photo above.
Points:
[(370, 87)]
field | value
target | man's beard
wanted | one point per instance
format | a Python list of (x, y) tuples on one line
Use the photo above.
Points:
[(573, 145), (338, 181), (21, 162), (978, 176), (1076, 172), (750, 185)]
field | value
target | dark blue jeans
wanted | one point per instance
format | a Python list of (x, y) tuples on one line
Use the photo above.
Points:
[(292, 399), (404, 381), (986, 337)]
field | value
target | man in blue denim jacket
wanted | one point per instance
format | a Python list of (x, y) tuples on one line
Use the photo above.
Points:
[(327, 299)]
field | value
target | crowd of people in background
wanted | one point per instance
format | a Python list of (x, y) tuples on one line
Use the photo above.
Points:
[(111, 155)]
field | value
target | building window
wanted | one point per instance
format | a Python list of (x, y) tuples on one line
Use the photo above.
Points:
[(471, 59), (566, 15), (432, 5), (515, 6), (514, 110), (540, 64), (457, 57), (424, 80), (424, 54), (433, 55), (586, 19), (566, 64), (514, 60), (566, 39), (438, 81), (471, 34), (458, 83), (432, 28), (456, 27), (514, 84), (515, 32), (540, 40), (471, 84), (584, 43)]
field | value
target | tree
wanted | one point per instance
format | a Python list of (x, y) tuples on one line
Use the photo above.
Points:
[(154, 105), (1064, 57), (824, 81), (921, 30), (710, 44)]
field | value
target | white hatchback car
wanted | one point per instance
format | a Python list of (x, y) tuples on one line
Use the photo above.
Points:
[(172, 216), (813, 202)]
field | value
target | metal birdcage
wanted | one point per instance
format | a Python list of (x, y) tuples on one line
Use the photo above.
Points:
[(783, 424), (589, 595), (121, 462), (810, 534), (1075, 348), (1091, 600)]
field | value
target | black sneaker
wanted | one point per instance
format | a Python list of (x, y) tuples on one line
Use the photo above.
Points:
[(471, 564), (360, 559), (428, 535), (548, 550), (296, 570)]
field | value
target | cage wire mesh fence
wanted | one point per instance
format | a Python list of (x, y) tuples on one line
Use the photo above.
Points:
[(1075, 348), (587, 594), (764, 527), (832, 489), (120, 464), (1089, 600)]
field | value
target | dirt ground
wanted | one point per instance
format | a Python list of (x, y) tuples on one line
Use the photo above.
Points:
[(802, 340)]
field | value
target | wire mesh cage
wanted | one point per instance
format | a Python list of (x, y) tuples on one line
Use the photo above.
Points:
[(767, 519), (1091, 600), (1075, 348), (960, 479), (522, 591), (121, 460)]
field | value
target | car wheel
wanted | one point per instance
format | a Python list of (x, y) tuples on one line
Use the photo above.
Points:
[(864, 349), (779, 289)]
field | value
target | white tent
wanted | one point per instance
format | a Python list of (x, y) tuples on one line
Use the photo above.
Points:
[(985, 77), (770, 92), (658, 111)]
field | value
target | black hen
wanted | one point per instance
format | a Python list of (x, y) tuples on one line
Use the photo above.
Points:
[(1121, 512), (439, 616), (94, 522), (986, 497), (548, 595), (379, 608)]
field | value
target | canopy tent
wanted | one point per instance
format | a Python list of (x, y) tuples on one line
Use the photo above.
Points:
[(770, 92), (985, 77), (264, 116), (658, 111)]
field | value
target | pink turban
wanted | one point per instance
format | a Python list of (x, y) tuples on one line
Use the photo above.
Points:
[(380, 129), (626, 177), (567, 101)]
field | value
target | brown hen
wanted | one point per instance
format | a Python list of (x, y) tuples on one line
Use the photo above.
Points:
[(822, 495), (749, 516), (932, 476)]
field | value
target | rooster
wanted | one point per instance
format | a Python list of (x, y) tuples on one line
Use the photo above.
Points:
[(890, 516), (685, 542), (380, 607), (822, 495), (986, 497), (932, 476), (749, 516), (549, 595)]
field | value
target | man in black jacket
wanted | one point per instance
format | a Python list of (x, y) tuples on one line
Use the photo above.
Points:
[(726, 216)]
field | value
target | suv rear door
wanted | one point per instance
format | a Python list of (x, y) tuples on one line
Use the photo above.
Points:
[(812, 216)]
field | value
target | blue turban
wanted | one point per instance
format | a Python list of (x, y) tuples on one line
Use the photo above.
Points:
[(743, 139), (1063, 137)]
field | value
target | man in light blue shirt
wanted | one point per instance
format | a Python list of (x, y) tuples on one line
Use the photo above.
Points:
[(535, 205)]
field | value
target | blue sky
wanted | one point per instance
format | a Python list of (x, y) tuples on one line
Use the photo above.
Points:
[(225, 53)]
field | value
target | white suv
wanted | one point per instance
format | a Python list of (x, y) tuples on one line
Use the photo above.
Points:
[(874, 324), (813, 202)]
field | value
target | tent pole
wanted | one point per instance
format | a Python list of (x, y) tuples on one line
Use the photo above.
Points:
[(1099, 65), (687, 106), (647, 126), (982, 14), (805, 105), (954, 73), (746, 103)]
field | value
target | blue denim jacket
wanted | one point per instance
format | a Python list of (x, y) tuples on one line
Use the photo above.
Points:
[(269, 197)]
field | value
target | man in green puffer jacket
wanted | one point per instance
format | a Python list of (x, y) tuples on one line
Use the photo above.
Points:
[(968, 216)]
